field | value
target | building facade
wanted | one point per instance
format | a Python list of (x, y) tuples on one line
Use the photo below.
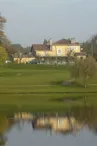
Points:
[(61, 48)]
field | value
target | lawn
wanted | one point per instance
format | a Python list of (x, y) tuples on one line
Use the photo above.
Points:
[(38, 88)]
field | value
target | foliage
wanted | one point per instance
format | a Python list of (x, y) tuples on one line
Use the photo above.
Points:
[(3, 55), (84, 68), (45, 42), (10, 50), (2, 22), (4, 41)]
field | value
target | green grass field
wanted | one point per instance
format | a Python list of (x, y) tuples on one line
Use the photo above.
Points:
[(39, 88)]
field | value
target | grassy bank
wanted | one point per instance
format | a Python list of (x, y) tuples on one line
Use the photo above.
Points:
[(39, 88)]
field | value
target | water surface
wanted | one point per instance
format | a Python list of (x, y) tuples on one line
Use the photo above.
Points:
[(25, 136), (76, 127)]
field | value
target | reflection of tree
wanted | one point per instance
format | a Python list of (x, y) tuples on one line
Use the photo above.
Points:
[(86, 115), (19, 124), (3, 141), (3, 128)]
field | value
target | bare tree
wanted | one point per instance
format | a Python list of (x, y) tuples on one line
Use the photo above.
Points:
[(84, 68), (90, 46)]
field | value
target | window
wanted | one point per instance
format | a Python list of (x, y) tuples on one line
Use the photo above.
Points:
[(60, 122), (59, 51)]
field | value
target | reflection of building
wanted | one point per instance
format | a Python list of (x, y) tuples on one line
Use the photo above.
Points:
[(23, 116), (60, 48), (58, 124)]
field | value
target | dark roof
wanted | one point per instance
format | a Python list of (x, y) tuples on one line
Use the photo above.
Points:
[(63, 41), (66, 41), (81, 54), (41, 47)]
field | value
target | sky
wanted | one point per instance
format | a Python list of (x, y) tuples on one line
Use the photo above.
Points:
[(32, 21)]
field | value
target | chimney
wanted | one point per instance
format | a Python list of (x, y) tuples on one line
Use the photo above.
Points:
[(72, 41), (50, 43)]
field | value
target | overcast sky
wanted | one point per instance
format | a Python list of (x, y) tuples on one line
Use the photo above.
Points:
[(31, 21)]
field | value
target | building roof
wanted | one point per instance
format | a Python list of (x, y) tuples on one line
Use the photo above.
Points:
[(63, 41), (41, 47), (66, 42)]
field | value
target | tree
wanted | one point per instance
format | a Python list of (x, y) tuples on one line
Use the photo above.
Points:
[(10, 50), (45, 42), (3, 55), (7, 45), (84, 68), (2, 22), (5, 40), (90, 46)]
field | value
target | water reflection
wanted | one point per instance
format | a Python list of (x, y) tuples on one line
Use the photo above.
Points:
[(3, 127), (67, 122), (71, 122), (64, 124), (87, 116)]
